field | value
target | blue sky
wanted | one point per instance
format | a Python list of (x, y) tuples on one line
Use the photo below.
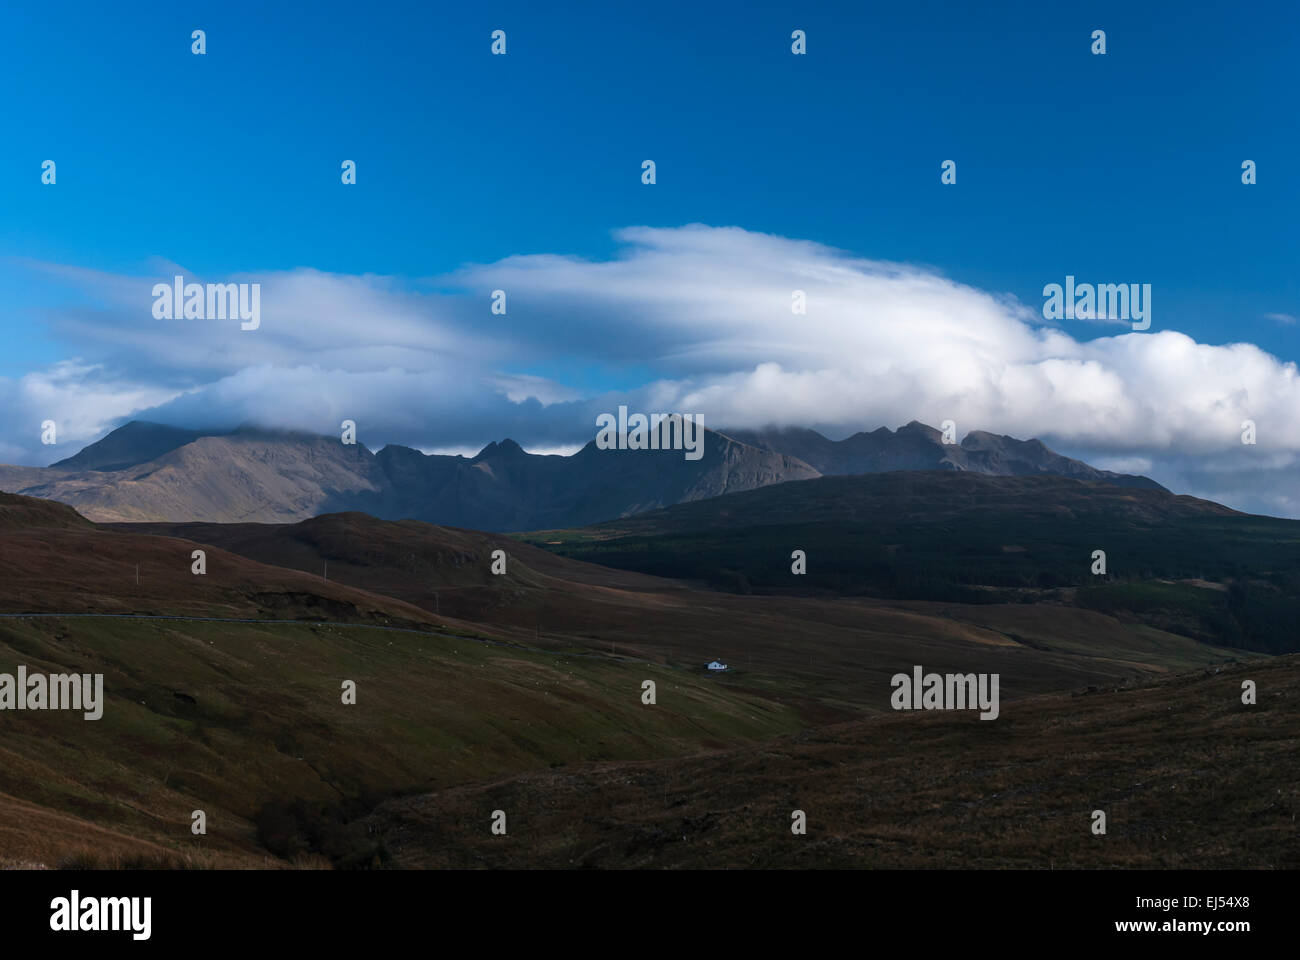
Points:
[(1115, 168)]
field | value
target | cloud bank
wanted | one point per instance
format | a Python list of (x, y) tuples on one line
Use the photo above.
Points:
[(696, 319)]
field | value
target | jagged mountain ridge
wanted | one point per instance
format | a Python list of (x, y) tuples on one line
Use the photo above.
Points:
[(152, 472), (917, 446), (254, 475)]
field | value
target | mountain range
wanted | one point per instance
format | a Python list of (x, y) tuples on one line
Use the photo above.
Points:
[(920, 447), (152, 472)]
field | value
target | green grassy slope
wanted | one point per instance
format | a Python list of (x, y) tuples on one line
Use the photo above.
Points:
[(503, 676), (268, 724), (1187, 776)]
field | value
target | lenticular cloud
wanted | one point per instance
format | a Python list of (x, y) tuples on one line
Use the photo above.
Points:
[(696, 319)]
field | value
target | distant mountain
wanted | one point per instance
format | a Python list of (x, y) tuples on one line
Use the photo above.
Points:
[(253, 475), (135, 443), (243, 476), (151, 472), (920, 447), (505, 488)]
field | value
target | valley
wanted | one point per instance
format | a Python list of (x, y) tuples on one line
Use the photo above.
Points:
[(468, 684), (346, 691)]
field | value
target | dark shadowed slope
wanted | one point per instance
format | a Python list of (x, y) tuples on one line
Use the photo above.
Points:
[(1187, 775), (54, 561), (130, 445), (505, 488), (917, 446), (1176, 563)]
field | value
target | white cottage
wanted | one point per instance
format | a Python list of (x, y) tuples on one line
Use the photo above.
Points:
[(717, 665)]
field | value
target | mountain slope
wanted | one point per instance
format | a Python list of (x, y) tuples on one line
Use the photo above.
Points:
[(28, 513), (929, 497), (247, 475), (245, 721), (920, 447), (820, 653), (151, 472), (1176, 563), (53, 561), (1187, 775), (130, 445), (493, 676), (270, 477)]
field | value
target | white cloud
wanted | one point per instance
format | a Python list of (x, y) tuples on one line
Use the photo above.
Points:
[(81, 400), (697, 319)]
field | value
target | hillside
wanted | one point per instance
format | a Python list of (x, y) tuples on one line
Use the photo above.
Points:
[(488, 677), (820, 653), (1187, 776), (237, 713), (52, 561), (933, 497), (245, 722), (1176, 563), (27, 513)]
